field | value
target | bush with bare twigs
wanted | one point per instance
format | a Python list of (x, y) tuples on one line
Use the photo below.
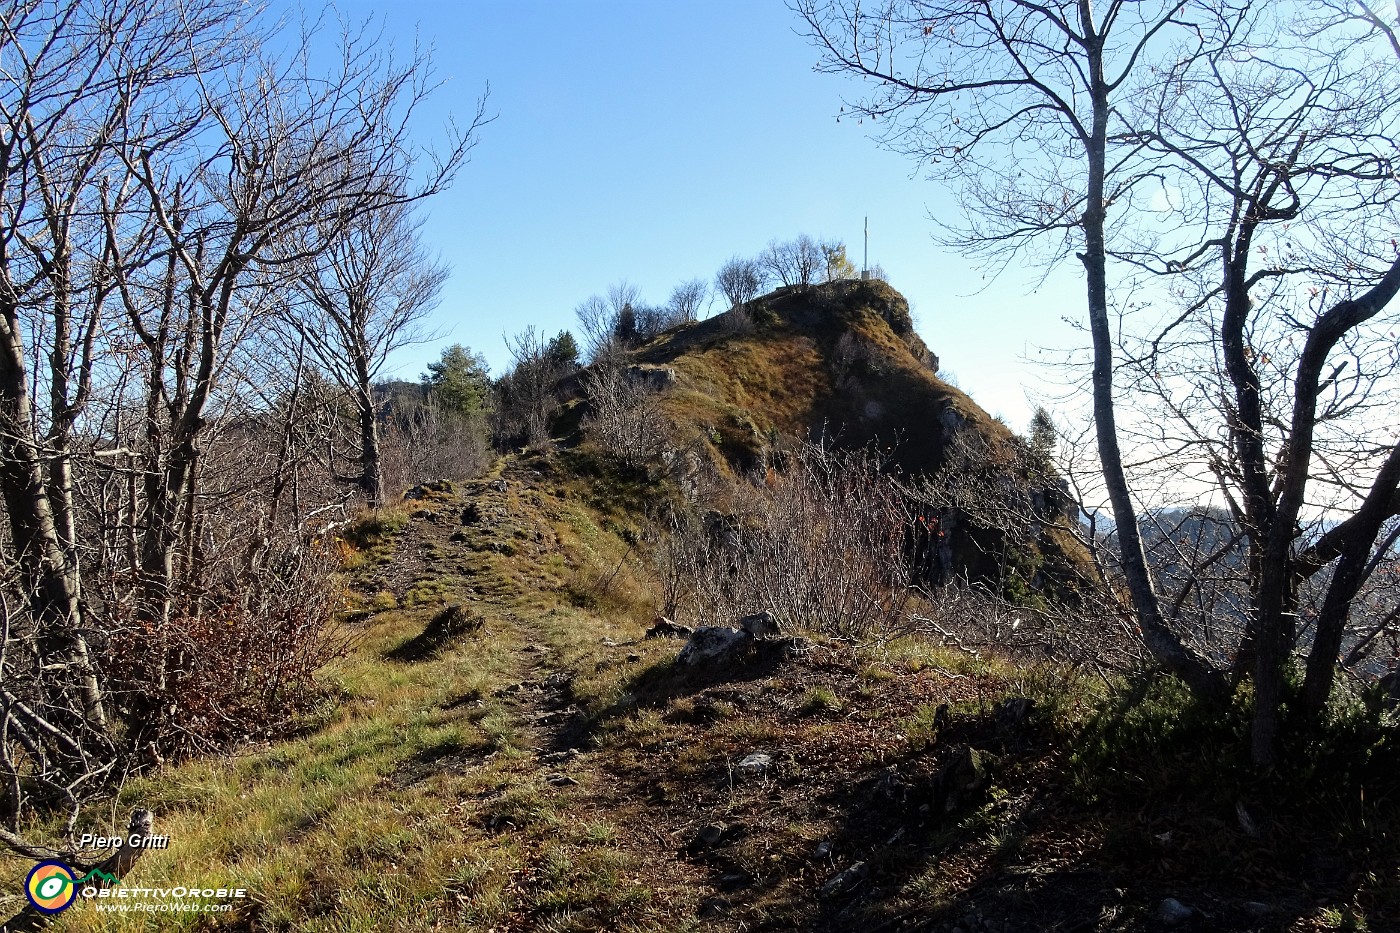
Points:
[(821, 546), (624, 418)]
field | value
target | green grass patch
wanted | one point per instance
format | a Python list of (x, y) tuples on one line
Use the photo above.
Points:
[(821, 701)]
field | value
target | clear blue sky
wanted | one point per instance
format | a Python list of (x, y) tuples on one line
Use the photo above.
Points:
[(650, 141)]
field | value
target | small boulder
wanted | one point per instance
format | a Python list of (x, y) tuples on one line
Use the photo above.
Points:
[(709, 643), (754, 766), (890, 785), (843, 881), (1171, 912), (760, 625), (709, 836)]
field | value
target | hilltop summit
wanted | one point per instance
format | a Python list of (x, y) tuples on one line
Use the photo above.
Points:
[(841, 363)]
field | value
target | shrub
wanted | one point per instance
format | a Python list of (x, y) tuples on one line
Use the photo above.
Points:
[(623, 417), (820, 546)]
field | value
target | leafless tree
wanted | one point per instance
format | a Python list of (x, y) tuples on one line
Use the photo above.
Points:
[(1278, 243), (606, 322), (686, 300), (428, 441), (1238, 153), (594, 322), (155, 165), (740, 280), (358, 299), (1013, 101), (794, 263), (623, 418), (527, 395)]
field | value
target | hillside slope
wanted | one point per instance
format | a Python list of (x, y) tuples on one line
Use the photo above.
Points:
[(841, 363), (838, 360), (506, 751), (503, 749)]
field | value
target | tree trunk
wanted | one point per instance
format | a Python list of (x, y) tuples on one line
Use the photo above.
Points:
[(50, 576), (371, 469), (1165, 646), (1346, 581)]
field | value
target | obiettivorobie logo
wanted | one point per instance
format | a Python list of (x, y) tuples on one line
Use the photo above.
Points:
[(53, 887)]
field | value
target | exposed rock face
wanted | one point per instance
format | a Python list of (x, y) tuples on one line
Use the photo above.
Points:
[(655, 378), (842, 362)]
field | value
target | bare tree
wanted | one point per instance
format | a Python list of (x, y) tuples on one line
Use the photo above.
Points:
[(1240, 155), (527, 395), (594, 322), (795, 263), (607, 321), (156, 164), (686, 300), (77, 96), (1014, 101), (358, 299), (1284, 262), (623, 416), (740, 280)]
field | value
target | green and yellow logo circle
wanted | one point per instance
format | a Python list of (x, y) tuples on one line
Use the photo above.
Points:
[(51, 887)]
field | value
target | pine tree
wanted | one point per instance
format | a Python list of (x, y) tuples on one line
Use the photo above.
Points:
[(460, 381)]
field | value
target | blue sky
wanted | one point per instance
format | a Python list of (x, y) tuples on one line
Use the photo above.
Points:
[(650, 141)]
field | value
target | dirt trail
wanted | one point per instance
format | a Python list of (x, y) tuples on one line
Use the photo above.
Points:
[(617, 788)]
